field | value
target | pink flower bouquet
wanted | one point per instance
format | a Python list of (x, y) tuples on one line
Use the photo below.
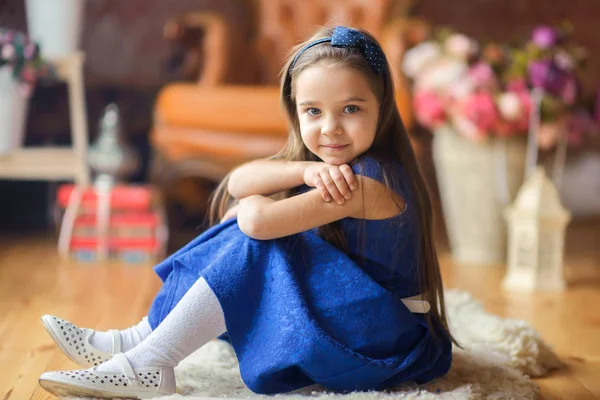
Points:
[(484, 90)]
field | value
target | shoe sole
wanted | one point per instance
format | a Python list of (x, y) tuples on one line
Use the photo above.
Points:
[(69, 390), (61, 389), (60, 345)]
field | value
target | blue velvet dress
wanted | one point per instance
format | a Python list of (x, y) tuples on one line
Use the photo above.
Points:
[(299, 311)]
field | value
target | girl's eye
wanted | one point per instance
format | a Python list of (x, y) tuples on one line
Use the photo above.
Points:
[(313, 111), (351, 109)]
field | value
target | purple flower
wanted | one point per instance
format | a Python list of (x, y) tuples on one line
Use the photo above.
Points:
[(545, 36), (9, 36), (547, 75), (29, 51)]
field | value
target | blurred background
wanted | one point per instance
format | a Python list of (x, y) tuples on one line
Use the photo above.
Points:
[(182, 74)]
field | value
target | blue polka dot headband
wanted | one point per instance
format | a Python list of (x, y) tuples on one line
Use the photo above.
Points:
[(346, 37)]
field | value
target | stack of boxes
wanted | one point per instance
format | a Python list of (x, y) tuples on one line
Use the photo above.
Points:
[(136, 227)]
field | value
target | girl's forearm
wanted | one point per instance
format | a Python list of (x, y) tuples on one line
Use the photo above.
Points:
[(265, 177)]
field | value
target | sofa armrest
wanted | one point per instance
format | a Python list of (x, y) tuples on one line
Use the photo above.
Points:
[(208, 36), (234, 108)]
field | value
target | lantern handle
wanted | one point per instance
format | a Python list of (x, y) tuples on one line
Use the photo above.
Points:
[(532, 136), (533, 142), (532, 152)]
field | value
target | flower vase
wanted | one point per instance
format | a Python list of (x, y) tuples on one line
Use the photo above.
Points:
[(14, 103), (476, 181), (55, 25)]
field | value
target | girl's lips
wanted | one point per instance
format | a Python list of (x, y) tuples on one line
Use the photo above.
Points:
[(335, 146)]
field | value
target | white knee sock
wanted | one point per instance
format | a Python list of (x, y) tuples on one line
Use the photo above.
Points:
[(195, 320), (130, 337)]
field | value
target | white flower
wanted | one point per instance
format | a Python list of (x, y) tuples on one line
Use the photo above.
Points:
[(510, 106), (461, 88), (8, 51), (441, 74), (417, 57), (564, 60), (460, 46)]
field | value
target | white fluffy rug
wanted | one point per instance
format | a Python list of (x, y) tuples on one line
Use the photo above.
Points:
[(499, 356)]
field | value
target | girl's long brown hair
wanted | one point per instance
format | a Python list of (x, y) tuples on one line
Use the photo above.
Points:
[(391, 142)]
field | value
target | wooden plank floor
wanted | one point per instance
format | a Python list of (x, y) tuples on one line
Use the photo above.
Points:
[(34, 281)]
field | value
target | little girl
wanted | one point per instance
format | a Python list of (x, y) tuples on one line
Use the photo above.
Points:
[(336, 283)]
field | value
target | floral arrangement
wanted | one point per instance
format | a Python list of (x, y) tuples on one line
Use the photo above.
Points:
[(485, 90), (22, 56)]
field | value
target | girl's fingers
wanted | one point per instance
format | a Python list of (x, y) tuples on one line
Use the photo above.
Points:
[(231, 213), (349, 176), (323, 190), (332, 188), (340, 182)]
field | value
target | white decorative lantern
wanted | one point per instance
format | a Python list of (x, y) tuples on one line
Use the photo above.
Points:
[(536, 232)]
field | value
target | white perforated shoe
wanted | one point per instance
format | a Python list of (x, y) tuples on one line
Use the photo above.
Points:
[(126, 383), (75, 342)]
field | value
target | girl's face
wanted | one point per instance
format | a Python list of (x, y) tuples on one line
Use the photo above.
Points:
[(338, 112)]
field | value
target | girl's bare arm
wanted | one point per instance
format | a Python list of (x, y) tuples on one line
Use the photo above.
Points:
[(265, 177), (262, 218)]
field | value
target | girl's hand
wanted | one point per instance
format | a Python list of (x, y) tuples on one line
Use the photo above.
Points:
[(333, 181), (231, 213)]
